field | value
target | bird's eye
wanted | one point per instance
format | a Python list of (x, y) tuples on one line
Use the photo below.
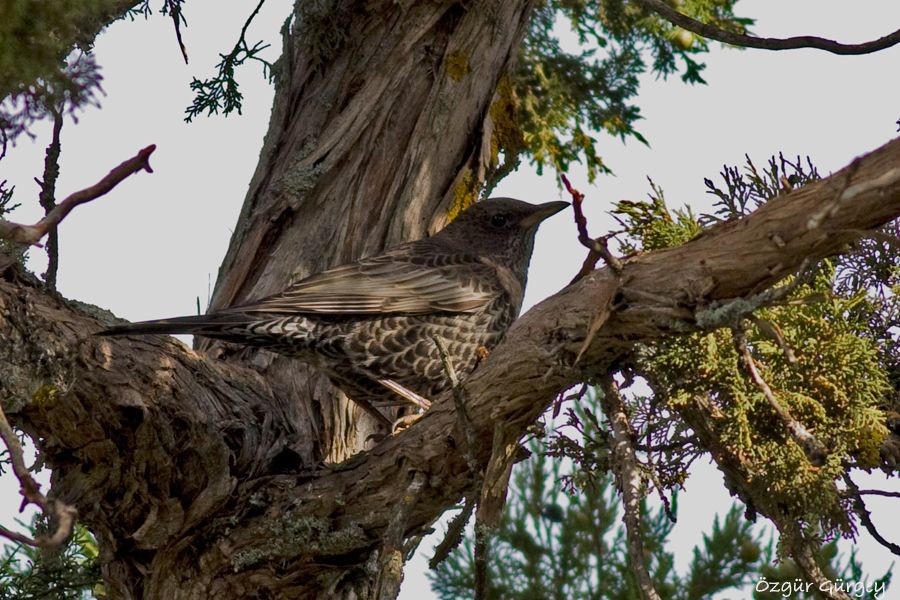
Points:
[(499, 220)]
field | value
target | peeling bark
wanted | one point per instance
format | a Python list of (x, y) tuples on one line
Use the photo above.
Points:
[(372, 125), (191, 470)]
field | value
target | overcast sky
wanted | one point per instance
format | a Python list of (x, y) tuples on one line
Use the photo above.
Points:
[(153, 246)]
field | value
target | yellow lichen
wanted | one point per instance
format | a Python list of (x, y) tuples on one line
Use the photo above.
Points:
[(465, 194), (457, 65), (507, 134), (45, 394)]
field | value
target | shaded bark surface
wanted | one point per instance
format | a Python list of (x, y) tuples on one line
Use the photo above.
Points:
[(178, 461), (379, 107)]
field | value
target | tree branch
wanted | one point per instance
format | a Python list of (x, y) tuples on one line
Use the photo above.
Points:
[(748, 41), (865, 516), (814, 449), (628, 477), (213, 434), (61, 516), (392, 558), (31, 234), (597, 248), (48, 196)]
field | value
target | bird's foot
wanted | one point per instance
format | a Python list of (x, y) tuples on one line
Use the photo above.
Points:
[(404, 423)]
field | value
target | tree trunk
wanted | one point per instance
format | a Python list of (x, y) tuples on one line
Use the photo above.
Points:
[(203, 476), (380, 111), (380, 108)]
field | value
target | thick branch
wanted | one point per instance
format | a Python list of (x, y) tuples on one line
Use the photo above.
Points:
[(748, 41), (83, 393)]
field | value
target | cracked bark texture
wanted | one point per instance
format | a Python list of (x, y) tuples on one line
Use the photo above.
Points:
[(182, 464), (374, 121), (203, 474)]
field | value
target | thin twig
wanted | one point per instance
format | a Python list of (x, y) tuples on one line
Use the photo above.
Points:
[(407, 394), (175, 13), (47, 197), (812, 447), (454, 534), (878, 493), (15, 536), (31, 234), (597, 248), (60, 514), (772, 331), (462, 416), (627, 470), (749, 41), (866, 517), (563, 398)]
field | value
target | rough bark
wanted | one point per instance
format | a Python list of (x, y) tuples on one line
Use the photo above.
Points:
[(180, 463), (379, 107)]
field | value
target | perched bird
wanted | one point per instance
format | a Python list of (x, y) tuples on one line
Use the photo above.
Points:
[(370, 325)]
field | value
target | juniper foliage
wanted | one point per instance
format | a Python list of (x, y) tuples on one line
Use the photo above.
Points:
[(69, 573)]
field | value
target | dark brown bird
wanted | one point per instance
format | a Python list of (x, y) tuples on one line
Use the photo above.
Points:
[(370, 325)]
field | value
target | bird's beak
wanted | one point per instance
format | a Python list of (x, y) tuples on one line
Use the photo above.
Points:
[(541, 212)]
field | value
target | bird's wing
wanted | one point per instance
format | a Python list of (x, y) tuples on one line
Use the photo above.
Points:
[(396, 282)]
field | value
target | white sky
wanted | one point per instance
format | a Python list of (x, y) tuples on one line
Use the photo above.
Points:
[(153, 246)]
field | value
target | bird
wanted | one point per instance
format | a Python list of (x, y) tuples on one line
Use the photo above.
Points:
[(371, 325)]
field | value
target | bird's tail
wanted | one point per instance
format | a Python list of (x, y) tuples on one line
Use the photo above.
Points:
[(209, 325)]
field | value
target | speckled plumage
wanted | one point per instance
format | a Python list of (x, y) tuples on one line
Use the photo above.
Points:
[(376, 319)]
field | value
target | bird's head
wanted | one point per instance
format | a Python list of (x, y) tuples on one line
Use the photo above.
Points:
[(502, 229)]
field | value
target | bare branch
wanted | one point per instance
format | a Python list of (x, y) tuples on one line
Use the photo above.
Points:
[(597, 248), (627, 470), (749, 41), (48, 197), (61, 515), (866, 517), (31, 234), (878, 493), (174, 8), (454, 534), (407, 394), (773, 332)]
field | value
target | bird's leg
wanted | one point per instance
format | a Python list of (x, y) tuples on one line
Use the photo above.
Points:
[(481, 354), (405, 393)]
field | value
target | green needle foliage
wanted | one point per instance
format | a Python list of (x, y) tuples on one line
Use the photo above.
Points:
[(70, 573), (561, 98), (827, 352)]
